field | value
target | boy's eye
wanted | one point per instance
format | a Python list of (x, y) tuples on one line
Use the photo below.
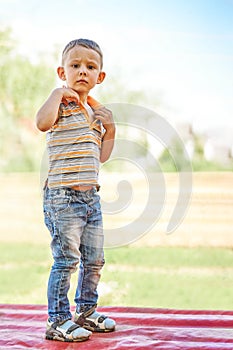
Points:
[(90, 66), (75, 65)]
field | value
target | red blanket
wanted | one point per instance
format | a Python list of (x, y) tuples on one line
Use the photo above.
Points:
[(23, 327)]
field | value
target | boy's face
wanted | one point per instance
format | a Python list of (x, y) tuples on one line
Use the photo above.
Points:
[(82, 69)]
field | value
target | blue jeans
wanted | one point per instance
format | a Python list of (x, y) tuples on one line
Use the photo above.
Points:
[(74, 220)]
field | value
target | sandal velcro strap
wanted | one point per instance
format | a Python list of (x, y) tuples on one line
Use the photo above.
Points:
[(89, 312), (102, 318), (55, 325), (72, 328), (82, 318)]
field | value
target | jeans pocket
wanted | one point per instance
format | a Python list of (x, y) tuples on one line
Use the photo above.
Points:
[(48, 220), (61, 204)]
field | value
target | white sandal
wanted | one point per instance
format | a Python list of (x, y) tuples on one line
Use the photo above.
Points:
[(66, 331), (94, 321)]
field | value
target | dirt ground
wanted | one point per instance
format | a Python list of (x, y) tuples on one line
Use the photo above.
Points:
[(209, 217), (208, 220)]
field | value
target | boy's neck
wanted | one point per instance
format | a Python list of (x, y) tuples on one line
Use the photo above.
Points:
[(83, 98)]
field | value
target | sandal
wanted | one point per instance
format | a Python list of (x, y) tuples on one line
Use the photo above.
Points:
[(94, 321), (66, 331)]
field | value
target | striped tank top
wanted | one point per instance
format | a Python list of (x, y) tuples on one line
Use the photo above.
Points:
[(74, 145)]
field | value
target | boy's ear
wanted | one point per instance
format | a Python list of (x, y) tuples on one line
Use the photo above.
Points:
[(61, 73), (101, 77)]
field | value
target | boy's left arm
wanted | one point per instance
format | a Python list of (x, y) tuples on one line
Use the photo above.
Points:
[(105, 116)]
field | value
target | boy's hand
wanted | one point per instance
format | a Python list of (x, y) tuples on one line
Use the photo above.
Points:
[(48, 113), (69, 94), (105, 116)]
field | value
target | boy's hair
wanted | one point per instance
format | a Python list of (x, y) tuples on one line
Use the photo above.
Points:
[(89, 44)]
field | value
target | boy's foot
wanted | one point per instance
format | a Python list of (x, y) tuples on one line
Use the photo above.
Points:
[(66, 331), (94, 321)]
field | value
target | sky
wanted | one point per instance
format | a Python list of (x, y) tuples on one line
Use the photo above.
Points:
[(176, 50)]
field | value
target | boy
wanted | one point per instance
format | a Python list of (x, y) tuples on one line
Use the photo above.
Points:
[(80, 135)]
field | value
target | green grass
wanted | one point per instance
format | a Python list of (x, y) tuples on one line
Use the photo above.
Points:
[(23, 273), (197, 278), (171, 256), (170, 277)]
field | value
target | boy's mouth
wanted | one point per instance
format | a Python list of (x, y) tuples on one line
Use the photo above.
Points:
[(82, 81)]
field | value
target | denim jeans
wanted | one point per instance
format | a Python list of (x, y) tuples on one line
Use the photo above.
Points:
[(74, 220)]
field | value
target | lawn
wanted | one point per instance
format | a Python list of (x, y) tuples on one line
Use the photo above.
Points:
[(169, 277), (192, 268)]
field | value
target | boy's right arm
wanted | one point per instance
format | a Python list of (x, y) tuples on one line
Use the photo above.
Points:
[(48, 113)]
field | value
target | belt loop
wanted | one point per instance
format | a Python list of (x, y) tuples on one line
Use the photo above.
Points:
[(45, 185)]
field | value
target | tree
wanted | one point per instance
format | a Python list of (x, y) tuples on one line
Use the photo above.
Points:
[(23, 88)]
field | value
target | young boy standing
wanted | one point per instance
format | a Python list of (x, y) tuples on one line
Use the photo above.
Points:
[(80, 135)]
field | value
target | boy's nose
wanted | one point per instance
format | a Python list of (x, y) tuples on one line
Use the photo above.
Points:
[(82, 70)]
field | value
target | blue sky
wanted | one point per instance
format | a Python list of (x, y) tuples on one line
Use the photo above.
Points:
[(181, 50)]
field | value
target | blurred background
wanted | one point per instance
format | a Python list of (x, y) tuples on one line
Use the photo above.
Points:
[(171, 57)]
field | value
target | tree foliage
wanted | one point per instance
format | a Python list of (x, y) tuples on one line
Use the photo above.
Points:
[(23, 88)]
